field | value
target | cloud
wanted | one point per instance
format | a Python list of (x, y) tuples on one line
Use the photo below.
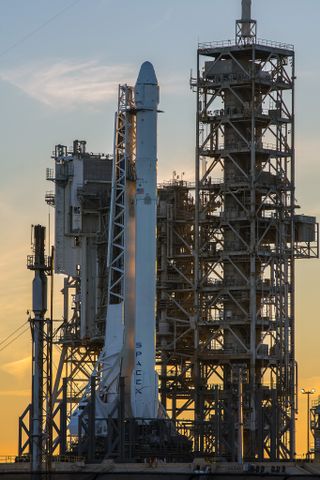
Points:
[(162, 20), (177, 84), (66, 84), (18, 368)]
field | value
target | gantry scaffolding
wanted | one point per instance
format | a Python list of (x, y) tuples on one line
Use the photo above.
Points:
[(35, 426), (314, 448), (81, 200), (227, 245), (226, 255)]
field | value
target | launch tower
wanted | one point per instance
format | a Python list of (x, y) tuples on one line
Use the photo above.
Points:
[(226, 268), (226, 249)]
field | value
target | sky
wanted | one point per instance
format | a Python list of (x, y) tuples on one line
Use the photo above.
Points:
[(60, 63)]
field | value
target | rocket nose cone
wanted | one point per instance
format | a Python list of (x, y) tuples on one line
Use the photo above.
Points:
[(147, 75)]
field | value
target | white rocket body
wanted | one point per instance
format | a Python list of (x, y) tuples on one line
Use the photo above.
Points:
[(129, 346), (144, 387)]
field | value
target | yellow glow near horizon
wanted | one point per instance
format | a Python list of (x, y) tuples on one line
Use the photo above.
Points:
[(15, 362)]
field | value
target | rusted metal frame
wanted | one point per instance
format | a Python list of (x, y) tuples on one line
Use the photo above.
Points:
[(182, 240), (213, 96), (264, 63), (248, 73), (216, 59), (236, 164), (80, 365), (228, 259), (261, 137), (218, 341), (208, 206), (275, 69), (182, 275), (284, 107), (266, 370), (245, 312), (184, 407), (215, 371), (268, 334), (78, 384), (264, 98), (180, 307), (214, 302), (265, 263), (238, 133), (236, 95), (213, 337), (267, 196), (215, 236), (175, 386), (210, 135), (231, 330), (211, 311), (275, 166), (211, 236), (215, 162), (280, 68), (180, 377), (281, 138), (82, 360), (178, 320), (235, 197), (210, 369), (177, 338), (276, 131), (212, 270), (237, 234), (307, 251)]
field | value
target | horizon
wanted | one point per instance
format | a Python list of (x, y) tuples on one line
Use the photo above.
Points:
[(59, 84)]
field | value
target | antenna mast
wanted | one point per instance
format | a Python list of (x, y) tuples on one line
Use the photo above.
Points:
[(246, 28)]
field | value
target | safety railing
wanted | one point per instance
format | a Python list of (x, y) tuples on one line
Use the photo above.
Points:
[(54, 459), (259, 41)]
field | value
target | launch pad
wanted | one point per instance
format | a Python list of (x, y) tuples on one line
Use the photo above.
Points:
[(177, 344)]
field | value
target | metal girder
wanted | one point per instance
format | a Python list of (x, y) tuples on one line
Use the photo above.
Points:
[(242, 268)]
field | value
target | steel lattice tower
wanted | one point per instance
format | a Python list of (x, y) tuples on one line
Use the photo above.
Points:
[(226, 247), (226, 289)]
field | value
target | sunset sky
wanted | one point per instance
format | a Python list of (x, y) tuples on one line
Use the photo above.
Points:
[(59, 72)]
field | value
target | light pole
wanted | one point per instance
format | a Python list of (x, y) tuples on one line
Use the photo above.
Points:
[(308, 393)]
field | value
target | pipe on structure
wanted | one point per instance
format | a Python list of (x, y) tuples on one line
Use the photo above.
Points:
[(246, 19), (39, 307), (246, 10)]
